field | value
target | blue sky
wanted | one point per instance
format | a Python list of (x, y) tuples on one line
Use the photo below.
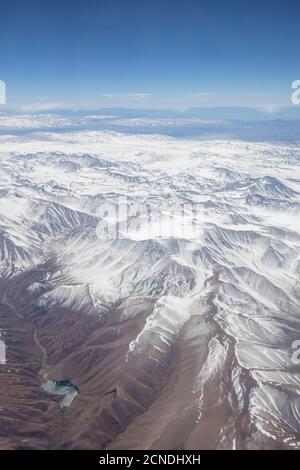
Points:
[(149, 53)]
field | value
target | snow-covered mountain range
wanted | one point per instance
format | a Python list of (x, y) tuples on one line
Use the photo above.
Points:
[(170, 342)]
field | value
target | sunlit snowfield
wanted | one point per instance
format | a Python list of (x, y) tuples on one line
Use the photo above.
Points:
[(168, 343)]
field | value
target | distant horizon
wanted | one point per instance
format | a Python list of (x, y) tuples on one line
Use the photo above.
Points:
[(215, 112)]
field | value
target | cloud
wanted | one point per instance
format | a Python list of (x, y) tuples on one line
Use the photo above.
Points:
[(271, 108), (138, 96), (204, 93), (43, 106), (110, 96), (129, 96)]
